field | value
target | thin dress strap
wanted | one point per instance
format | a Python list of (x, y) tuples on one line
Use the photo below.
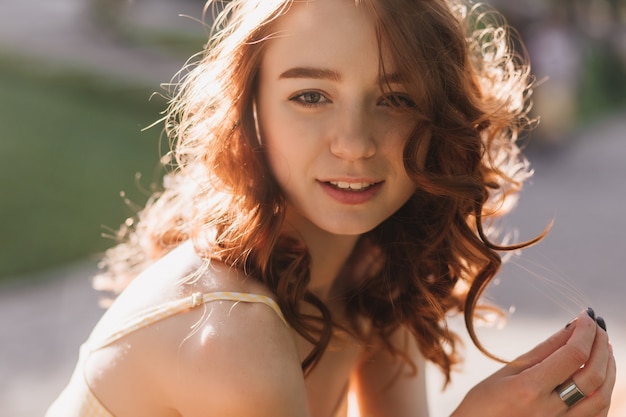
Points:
[(162, 311)]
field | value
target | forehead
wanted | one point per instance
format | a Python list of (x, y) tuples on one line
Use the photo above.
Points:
[(336, 34)]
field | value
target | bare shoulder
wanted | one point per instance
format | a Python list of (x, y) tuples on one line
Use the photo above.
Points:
[(240, 359), (215, 358), (179, 274), (231, 357)]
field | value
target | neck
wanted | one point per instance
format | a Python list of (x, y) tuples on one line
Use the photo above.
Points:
[(328, 257), (329, 254)]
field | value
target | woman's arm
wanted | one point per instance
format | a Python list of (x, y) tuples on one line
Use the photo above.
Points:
[(386, 386)]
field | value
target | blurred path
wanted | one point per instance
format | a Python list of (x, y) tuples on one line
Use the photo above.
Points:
[(41, 327), (581, 186)]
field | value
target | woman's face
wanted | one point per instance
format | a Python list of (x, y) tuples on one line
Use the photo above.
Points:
[(334, 144)]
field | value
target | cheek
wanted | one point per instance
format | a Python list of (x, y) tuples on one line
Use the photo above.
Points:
[(278, 161), (395, 143), (288, 136), (285, 152), (421, 146), (418, 143), (394, 128), (392, 143), (409, 188)]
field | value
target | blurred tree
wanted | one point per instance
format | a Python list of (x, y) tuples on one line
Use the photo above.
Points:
[(557, 61), (170, 25), (108, 13), (580, 47)]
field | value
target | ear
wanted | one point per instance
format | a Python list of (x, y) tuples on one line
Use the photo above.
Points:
[(255, 116)]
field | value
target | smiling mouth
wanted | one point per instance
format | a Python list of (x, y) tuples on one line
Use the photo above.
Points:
[(351, 186)]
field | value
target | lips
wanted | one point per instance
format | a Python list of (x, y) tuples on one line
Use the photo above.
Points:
[(351, 186), (351, 192)]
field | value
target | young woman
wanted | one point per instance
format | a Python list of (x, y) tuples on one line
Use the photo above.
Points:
[(337, 163)]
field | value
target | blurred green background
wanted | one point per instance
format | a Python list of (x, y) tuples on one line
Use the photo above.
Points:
[(72, 139), (71, 143)]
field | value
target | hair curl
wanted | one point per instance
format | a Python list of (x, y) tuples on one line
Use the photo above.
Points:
[(472, 99)]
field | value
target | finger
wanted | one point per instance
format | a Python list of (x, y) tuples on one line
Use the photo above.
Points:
[(541, 351), (567, 359), (597, 403), (592, 376)]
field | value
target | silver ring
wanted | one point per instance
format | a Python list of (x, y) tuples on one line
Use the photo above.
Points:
[(569, 392)]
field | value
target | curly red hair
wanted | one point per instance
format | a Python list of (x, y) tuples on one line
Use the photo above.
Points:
[(472, 98)]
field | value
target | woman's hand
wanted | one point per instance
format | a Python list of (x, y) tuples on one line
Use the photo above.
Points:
[(527, 386)]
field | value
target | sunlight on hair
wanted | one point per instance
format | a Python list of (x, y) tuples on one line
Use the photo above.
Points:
[(552, 284)]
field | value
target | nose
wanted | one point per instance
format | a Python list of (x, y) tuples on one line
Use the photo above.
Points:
[(353, 139)]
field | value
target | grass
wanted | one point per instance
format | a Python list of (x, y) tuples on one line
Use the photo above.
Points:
[(70, 143)]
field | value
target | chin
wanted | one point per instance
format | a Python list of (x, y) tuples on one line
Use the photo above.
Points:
[(344, 229)]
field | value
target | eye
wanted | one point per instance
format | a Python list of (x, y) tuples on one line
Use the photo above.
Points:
[(397, 101), (309, 98)]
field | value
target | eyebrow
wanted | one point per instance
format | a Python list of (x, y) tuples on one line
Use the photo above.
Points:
[(332, 75), (309, 72)]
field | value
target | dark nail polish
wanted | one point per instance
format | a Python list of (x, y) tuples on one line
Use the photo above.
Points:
[(601, 323), (569, 323), (591, 313)]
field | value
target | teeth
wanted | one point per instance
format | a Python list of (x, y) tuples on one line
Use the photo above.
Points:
[(351, 185)]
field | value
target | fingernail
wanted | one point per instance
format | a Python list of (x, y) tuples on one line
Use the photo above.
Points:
[(601, 323), (591, 313), (569, 323)]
